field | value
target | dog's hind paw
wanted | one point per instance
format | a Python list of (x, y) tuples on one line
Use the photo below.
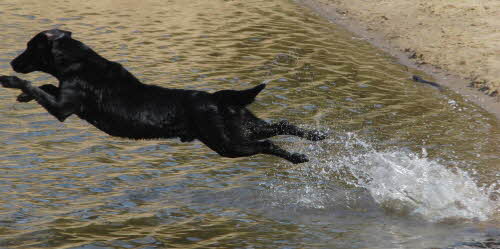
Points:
[(315, 135), (297, 158)]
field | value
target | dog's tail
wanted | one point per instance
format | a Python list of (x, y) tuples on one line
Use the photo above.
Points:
[(238, 98)]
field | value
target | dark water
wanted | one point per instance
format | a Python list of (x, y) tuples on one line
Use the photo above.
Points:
[(406, 166)]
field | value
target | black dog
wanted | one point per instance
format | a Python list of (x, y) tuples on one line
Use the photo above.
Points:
[(106, 95)]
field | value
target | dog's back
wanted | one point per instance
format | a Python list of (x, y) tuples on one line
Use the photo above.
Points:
[(116, 102)]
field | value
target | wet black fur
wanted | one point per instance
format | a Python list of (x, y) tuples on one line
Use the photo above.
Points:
[(109, 97)]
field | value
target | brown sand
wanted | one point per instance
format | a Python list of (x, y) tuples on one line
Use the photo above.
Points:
[(457, 42)]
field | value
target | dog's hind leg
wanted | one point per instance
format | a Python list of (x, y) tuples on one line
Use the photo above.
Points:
[(255, 147), (212, 132), (285, 128), (272, 149)]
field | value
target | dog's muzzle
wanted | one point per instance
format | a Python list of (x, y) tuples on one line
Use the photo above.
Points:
[(20, 66)]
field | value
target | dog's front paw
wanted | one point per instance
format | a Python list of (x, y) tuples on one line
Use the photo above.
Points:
[(24, 97), (315, 135), (297, 158), (13, 82)]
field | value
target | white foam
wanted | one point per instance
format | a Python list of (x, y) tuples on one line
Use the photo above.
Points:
[(404, 182), (400, 181)]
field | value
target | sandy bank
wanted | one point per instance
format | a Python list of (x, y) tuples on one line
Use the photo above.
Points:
[(457, 42)]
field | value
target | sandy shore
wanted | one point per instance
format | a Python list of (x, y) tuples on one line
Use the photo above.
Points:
[(457, 42)]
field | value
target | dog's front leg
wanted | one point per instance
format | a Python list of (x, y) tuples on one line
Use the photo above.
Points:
[(60, 107), (48, 88)]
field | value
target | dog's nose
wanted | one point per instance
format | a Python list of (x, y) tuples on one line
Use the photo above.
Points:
[(14, 64), (18, 66)]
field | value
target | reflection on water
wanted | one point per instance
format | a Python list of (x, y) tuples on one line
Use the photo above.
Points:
[(406, 166)]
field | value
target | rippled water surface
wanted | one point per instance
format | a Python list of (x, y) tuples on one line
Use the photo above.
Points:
[(405, 165)]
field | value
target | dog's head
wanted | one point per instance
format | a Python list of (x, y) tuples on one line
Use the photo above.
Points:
[(50, 51)]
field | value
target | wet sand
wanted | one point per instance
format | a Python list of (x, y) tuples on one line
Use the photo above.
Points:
[(457, 43)]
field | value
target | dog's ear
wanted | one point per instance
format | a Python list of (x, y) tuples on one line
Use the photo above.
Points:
[(56, 34)]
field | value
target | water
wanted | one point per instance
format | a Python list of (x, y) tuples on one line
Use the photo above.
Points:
[(405, 165)]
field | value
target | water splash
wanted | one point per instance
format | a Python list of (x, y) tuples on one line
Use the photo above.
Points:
[(404, 182), (400, 181)]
